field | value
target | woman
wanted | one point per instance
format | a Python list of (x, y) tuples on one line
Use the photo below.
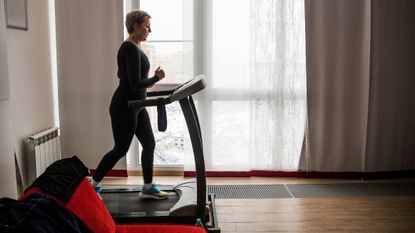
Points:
[(133, 68)]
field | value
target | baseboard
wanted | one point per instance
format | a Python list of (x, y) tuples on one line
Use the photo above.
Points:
[(260, 173), (311, 174), (126, 173), (112, 173), (157, 172)]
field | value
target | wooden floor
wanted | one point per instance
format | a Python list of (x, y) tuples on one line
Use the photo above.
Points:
[(391, 214), (358, 214)]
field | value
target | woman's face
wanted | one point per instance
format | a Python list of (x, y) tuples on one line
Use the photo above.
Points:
[(143, 29)]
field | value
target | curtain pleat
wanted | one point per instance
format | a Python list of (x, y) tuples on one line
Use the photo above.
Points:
[(337, 54)]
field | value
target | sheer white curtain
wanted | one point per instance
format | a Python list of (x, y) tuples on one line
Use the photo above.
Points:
[(277, 83), (253, 111)]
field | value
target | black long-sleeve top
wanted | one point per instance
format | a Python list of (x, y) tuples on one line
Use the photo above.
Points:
[(133, 68)]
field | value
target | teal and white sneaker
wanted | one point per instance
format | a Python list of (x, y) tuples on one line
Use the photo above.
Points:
[(98, 189), (153, 192)]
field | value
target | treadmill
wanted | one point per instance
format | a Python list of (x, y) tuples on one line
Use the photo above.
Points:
[(188, 201)]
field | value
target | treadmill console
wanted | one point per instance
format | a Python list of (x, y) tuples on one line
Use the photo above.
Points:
[(188, 88)]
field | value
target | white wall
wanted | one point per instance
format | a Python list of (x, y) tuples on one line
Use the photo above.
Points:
[(7, 168), (4, 76), (30, 77), (8, 186)]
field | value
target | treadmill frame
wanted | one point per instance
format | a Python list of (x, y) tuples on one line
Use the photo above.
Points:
[(183, 94)]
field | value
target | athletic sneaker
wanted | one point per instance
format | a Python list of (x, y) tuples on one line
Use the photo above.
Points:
[(153, 193), (98, 189)]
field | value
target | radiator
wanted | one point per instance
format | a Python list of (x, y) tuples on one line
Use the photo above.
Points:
[(42, 149)]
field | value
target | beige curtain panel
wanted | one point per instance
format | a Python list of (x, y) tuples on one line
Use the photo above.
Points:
[(88, 35), (360, 85)]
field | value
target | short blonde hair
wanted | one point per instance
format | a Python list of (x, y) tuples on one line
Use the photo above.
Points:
[(135, 16)]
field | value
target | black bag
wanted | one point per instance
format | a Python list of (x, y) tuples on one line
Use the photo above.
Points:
[(37, 213)]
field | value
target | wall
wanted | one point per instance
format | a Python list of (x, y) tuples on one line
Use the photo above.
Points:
[(7, 169), (4, 76), (29, 64)]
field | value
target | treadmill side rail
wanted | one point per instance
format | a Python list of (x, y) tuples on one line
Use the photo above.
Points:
[(212, 226), (187, 205)]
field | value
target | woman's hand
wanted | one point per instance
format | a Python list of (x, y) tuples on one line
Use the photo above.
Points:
[(159, 73)]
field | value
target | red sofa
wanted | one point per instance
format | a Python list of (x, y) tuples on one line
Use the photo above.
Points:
[(90, 209), (64, 182)]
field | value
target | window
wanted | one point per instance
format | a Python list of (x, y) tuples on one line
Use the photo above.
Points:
[(253, 56), (230, 85), (170, 47)]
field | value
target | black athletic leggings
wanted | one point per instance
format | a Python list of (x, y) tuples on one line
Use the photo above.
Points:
[(125, 124)]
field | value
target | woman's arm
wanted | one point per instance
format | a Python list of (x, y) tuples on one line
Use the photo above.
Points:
[(133, 62)]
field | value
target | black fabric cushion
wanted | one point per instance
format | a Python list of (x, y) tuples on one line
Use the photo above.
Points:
[(62, 178)]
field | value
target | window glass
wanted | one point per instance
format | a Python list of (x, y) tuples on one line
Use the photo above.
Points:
[(167, 55), (166, 18), (230, 32), (166, 48), (230, 137)]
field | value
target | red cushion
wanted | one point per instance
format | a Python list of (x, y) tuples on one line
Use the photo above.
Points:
[(86, 205), (89, 208), (158, 228)]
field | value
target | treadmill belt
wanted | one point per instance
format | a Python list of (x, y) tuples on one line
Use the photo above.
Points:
[(129, 202)]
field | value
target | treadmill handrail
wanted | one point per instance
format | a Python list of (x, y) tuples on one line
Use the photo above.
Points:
[(182, 91), (151, 101), (159, 93)]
